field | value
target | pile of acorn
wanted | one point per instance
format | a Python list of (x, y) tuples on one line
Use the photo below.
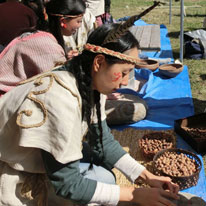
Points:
[(196, 132), (152, 143), (175, 164)]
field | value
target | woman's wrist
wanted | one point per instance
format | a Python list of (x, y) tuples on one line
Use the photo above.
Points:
[(145, 176), (126, 194), (129, 167)]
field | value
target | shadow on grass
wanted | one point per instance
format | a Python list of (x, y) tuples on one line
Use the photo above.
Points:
[(176, 54), (199, 105), (193, 29), (196, 15), (174, 34), (177, 33), (190, 15), (203, 76)]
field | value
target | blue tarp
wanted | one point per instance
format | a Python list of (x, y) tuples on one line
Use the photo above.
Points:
[(168, 100)]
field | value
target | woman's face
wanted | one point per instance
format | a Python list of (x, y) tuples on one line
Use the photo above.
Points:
[(70, 25), (109, 78)]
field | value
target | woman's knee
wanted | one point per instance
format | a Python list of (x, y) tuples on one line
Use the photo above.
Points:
[(97, 173)]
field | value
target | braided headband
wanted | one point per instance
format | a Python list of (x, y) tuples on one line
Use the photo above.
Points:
[(139, 63), (102, 50), (67, 15)]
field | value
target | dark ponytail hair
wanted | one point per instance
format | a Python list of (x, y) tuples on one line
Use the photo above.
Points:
[(81, 68), (64, 7)]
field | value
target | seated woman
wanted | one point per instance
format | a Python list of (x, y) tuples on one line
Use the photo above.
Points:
[(38, 50), (75, 43), (44, 121)]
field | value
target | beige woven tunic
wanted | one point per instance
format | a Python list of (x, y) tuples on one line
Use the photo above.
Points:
[(48, 110)]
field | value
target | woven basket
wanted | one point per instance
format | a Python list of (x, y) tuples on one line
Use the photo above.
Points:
[(156, 136), (183, 181)]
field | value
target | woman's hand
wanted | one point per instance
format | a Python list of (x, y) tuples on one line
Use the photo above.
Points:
[(147, 196), (160, 182), (114, 96), (154, 197), (72, 53), (164, 183)]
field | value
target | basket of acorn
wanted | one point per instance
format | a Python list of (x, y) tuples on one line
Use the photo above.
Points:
[(182, 166), (153, 142)]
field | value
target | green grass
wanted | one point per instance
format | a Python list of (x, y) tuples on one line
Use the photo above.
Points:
[(195, 13)]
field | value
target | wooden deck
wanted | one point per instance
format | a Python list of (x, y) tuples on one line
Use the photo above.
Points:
[(148, 37)]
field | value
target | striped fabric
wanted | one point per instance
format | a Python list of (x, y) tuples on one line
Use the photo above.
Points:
[(26, 56)]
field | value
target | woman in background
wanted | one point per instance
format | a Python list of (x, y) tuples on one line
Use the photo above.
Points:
[(40, 49), (75, 43)]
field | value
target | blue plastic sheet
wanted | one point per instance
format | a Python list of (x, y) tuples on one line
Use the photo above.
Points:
[(168, 99)]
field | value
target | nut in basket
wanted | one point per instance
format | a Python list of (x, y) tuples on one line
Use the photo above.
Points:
[(182, 166), (153, 142)]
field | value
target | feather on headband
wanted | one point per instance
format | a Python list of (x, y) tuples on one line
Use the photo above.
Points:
[(116, 34), (123, 28)]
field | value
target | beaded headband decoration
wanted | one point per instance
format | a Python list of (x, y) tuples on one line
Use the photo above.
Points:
[(67, 15), (116, 34), (98, 49)]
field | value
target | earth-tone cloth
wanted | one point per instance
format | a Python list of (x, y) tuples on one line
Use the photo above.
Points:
[(28, 55), (14, 18), (33, 118), (125, 110), (79, 39)]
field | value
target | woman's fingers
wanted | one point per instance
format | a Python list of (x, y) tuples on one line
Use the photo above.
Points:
[(72, 53), (166, 202), (114, 96), (167, 198), (171, 187), (75, 53), (163, 204)]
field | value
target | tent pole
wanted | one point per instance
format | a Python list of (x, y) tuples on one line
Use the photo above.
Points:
[(181, 30), (170, 12)]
